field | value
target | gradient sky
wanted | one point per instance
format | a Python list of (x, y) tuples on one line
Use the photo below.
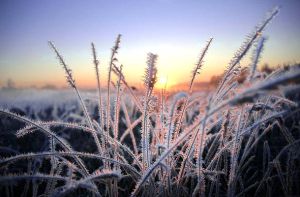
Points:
[(176, 30)]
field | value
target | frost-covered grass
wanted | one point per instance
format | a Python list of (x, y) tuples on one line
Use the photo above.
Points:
[(240, 139)]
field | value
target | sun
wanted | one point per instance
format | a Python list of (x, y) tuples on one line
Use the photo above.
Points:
[(162, 82)]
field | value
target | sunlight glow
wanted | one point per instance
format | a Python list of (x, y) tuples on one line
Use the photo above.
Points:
[(162, 82)]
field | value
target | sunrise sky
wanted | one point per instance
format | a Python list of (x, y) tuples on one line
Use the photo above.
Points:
[(176, 30)]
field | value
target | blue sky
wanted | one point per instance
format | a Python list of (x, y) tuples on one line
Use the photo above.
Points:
[(175, 30)]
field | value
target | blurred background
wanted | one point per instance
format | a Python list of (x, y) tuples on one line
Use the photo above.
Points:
[(175, 30)]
